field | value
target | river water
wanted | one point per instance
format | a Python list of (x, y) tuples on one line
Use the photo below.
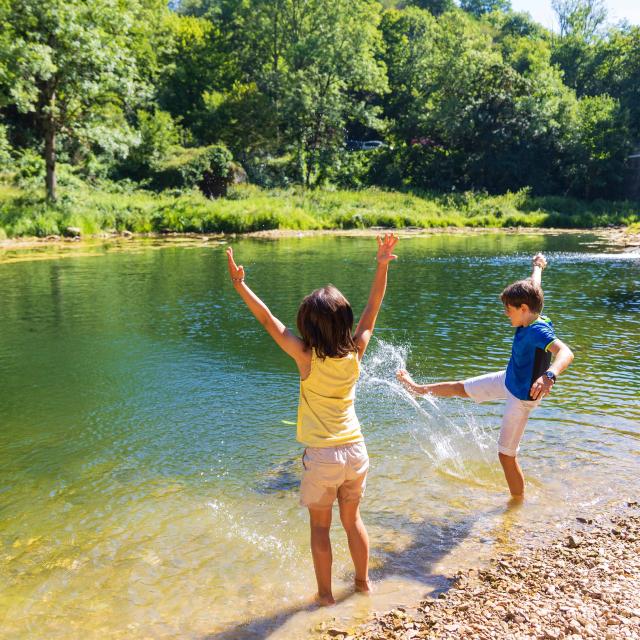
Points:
[(148, 463)]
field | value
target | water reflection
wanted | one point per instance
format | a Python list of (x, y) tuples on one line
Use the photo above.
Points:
[(147, 452)]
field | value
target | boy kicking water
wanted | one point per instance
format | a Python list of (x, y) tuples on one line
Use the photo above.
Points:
[(528, 378)]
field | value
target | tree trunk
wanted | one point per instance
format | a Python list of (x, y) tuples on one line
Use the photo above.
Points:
[(50, 151)]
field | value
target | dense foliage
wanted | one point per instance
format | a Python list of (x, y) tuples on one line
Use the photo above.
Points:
[(466, 95)]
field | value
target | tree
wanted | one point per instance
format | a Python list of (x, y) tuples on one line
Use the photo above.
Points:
[(480, 7), (435, 7), (615, 70), (73, 64), (193, 65), (304, 70), (581, 18), (600, 146), (412, 56)]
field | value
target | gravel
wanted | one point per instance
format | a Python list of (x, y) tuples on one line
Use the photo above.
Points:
[(583, 584)]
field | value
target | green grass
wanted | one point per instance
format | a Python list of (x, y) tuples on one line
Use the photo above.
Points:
[(119, 207)]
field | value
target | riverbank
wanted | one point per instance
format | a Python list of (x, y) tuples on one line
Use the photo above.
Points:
[(114, 208), (55, 246), (583, 584)]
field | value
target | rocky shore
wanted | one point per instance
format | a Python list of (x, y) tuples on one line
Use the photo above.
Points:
[(584, 584)]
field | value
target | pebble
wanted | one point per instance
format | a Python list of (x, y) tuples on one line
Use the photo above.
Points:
[(584, 585)]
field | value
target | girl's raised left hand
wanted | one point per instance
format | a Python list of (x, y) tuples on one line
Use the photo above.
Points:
[(235, 271), (385, 248)]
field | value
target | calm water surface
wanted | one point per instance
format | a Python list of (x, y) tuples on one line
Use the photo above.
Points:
[(148, 463)]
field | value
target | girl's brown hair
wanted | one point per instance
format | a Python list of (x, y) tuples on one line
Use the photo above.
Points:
[(325, 321)]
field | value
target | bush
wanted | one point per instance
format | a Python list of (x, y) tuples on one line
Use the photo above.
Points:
[(208, 168), (5, 148), (272, 173), (350, 170), (30, 169)]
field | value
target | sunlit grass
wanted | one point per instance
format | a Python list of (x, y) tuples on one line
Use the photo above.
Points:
[(113, 207)]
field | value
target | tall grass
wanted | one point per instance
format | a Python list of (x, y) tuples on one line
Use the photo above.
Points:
[(120, 207)]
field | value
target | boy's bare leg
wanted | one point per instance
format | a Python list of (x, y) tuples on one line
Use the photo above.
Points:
[(441, 389), (513, 474), (446, 389), (358, 543), (320, 522)]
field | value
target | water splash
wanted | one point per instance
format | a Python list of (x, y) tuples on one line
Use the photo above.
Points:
[(452, 438), (242, 528)]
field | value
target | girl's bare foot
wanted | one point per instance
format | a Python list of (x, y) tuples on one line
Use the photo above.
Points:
[(362, 586), (325, 601)]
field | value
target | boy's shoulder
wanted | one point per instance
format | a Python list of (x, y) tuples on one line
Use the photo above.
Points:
[(541, 322), (542, 325)]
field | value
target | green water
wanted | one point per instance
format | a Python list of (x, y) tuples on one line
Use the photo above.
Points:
[(148, 470)]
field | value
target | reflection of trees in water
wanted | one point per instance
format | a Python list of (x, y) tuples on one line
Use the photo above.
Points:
[(624, 299)]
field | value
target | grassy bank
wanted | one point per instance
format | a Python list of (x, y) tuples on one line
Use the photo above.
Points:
[(117, 207)]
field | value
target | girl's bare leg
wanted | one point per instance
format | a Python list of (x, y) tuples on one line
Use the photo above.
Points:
[(358, 542), (320, 522)]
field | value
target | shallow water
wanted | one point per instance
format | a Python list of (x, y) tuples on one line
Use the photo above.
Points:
[(148, 464)]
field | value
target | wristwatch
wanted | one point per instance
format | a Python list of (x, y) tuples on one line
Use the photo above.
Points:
[(550, 375)]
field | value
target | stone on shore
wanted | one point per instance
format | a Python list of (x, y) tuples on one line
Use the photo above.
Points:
[(584, 585)]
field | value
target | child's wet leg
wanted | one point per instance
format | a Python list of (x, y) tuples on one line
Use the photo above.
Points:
[(320, 523), (358, 542), (447, 389), (513, 474)]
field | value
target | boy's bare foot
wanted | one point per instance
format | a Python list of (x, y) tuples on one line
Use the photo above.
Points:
[(362, 586), (325, 600)]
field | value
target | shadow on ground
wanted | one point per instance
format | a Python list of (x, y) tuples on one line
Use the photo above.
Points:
[(430, 542)]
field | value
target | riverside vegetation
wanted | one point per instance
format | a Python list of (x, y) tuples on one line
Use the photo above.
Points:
[(116, 207), (465, 96)]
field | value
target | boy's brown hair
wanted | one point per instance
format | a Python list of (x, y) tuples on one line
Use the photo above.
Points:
[(523, 292), (325, 321)]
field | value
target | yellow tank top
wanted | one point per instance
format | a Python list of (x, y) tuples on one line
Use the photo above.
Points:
[(326, 415)]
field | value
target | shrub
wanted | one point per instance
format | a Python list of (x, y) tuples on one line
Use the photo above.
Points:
[(5, 148), (208, 168), (271, 173), (30, 170)]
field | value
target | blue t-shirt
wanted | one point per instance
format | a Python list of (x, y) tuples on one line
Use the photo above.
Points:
[(529, 356)]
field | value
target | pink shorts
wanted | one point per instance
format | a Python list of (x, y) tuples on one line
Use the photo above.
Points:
[(333, 472)]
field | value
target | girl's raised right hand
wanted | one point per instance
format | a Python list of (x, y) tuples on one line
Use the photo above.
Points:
[(235, 271), (385, 248)]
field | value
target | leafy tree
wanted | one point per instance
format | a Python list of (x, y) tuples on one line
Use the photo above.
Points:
[(435, 7), (315, 65), (580, 18), (614, 69), (158, 135), (480, 7), (597, 165), (72, 65), (193, 65), (412, 57)]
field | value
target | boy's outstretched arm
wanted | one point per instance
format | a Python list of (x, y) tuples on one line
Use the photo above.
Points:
[(385, 255), (409, 383), (286, 340), (539, 263), (563, 357)]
